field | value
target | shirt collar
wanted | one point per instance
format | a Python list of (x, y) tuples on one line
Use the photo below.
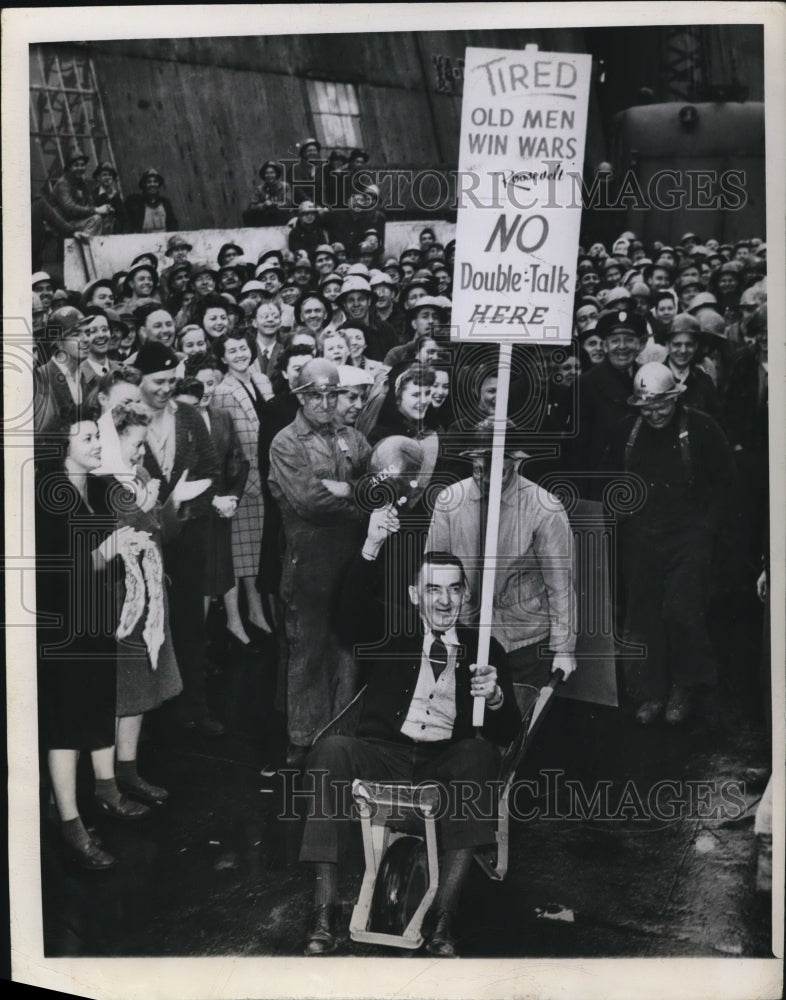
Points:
[(169, 410), (304, 429), (679, 376), (450, 638), (99, 369), (509, 496), (65, 369)]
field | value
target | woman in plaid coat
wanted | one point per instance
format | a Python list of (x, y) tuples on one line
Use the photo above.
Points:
[(243, 392)]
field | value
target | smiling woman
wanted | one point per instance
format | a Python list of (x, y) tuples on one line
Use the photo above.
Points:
[(211, 314), (242, 393), (77, 658), (147, 673)]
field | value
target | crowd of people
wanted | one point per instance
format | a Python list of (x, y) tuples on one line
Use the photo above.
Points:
[(332, 196), (246, 432)]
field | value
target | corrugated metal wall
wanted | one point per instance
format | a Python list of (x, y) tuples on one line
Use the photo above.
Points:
[(207, 129), (207, 112)]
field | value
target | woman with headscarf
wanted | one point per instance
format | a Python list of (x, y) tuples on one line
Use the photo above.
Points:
[(147, 672)]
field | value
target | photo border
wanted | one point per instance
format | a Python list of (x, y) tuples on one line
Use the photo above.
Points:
[(232, 977)]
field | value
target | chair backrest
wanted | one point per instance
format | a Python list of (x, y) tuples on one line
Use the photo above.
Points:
[(526, 697)]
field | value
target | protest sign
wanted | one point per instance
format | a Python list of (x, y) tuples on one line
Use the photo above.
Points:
[(523, 125), (523, 129)]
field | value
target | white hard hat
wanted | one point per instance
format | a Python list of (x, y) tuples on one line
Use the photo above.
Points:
[(354, 283), (653, 383), (349, 376)]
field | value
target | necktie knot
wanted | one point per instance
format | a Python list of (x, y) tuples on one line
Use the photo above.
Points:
[(438, 655)]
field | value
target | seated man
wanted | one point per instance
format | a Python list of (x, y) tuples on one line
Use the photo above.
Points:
[(72, 199), (416, 724)]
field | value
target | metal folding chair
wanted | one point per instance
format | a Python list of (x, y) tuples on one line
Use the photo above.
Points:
[(398, 824)]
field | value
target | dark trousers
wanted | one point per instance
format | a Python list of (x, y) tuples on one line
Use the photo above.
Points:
[(667, 574), (322, 676), (184, 563), (527, 666), (467, 810)]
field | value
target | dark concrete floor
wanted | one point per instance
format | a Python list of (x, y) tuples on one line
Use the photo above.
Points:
[(214, 872)]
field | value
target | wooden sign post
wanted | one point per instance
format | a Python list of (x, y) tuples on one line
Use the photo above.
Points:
[(521, 160)]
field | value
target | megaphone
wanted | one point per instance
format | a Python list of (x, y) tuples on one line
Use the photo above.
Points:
[(393, 475)]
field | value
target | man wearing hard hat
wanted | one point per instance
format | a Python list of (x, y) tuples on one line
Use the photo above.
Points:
[(681, 468), (314, 465)]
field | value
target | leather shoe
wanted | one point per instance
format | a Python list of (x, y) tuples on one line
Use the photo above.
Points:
[(440, 941), (679, 706), (123, 808), (140, 789), (206, 726), (91, 856), (649, 712), (321, 938)]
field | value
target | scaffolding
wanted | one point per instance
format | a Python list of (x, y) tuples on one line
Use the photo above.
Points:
[(65, 111)]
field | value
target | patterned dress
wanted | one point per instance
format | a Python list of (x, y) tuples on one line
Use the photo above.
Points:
[(233, 396)]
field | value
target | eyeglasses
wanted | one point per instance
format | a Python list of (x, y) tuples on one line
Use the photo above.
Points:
[(315, 396)]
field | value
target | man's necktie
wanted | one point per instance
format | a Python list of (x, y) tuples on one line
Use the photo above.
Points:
[(264, 357), (438, 657)]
